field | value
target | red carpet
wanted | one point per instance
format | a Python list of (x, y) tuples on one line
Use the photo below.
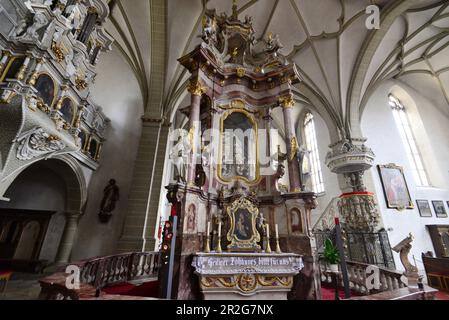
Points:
[(442, 295), (146, 289), (328, 293)]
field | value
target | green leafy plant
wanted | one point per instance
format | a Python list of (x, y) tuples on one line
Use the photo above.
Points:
[(331, 254)]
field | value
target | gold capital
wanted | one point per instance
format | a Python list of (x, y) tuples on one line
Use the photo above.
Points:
[(287, 101), (195, 88)]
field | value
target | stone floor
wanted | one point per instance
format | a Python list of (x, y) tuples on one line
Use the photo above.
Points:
[(22, 286)]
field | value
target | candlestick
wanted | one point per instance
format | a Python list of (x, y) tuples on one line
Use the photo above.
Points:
[(219, 238), (268, 249), (207, 249), (278, 248)]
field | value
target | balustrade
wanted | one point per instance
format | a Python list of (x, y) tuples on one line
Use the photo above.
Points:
[(100, 272), (389, 280)]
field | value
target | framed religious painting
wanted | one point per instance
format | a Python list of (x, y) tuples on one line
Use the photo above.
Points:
[(424, 208), (243, 234), (440, 210), (397, 194)]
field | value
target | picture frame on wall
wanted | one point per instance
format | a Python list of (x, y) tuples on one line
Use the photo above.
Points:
[(424, 208), (397, 194), (440, 210)]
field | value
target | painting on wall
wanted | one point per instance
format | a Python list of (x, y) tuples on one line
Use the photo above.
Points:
[(424, 208), (397, 194), (440, 210)]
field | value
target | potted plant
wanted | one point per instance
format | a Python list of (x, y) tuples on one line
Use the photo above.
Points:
[(331, 255)]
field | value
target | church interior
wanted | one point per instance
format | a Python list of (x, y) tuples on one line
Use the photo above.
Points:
[(224, 150)]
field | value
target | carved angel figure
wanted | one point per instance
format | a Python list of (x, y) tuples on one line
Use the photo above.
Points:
[(209, 29), (70, 69), (179, 156), (273, 43), (39, 22)]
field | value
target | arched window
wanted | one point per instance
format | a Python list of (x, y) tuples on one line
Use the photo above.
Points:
[(312, 147), (408, 139)]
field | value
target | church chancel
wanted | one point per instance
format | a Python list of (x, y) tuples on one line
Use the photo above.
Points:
[(239, 210)]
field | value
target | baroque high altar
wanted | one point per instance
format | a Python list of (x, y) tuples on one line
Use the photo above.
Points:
[(241, 233)]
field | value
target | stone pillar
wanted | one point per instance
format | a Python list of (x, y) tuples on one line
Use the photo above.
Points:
[(68, 237), (140, 222), (287, 102), (196, 91)]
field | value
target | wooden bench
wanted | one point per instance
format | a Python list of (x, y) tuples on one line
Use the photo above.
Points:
[(437, 270)]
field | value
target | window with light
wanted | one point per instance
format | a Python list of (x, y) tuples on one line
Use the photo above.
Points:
[(314, 157), (409, 141)]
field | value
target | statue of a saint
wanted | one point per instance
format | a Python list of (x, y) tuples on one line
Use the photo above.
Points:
[(110, 197)]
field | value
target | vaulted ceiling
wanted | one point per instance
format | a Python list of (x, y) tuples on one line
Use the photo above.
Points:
[(342, 62)]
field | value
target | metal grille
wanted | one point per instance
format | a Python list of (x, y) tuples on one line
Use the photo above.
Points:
[(365, 247)]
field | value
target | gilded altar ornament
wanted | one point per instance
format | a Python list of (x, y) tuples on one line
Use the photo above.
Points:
[(287, 101), (81, 83), (58, 51), (191, 136), (195, 88), (294, 148), (240, 72), (247, 282)]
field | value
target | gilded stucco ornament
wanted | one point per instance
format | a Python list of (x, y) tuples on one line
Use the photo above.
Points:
[(195, 88), (36, 142), (294, 148), (58, 51), (287, 101)]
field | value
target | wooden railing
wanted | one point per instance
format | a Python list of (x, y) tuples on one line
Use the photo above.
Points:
[(389, 280), (110, 270), (98, 273)]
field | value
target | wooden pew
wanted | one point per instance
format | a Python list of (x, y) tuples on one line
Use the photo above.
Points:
[(437, 270)]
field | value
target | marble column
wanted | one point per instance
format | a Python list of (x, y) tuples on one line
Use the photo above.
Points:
[(196, 90), (68, 237), (287, 103)]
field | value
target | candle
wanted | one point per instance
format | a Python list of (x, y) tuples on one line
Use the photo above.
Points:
[(277, 232), (219, 230), (208, 228), (268, 231)]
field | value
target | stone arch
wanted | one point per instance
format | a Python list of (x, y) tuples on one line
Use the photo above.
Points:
[(70, 171)]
